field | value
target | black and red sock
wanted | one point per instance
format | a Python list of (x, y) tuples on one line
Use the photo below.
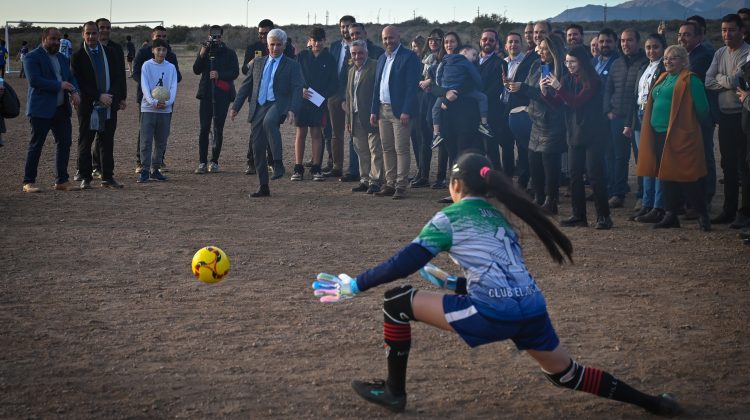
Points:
[(398, 343), (601, 383)]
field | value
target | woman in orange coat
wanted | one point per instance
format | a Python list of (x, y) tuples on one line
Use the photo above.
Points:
[(671, 141)]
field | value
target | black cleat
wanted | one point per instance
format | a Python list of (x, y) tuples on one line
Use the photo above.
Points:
[(378, 393), (668, 406)]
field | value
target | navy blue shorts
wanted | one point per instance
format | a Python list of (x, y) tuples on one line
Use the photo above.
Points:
[(475, 329)]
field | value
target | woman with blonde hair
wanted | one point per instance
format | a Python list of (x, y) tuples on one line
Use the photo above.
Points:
[(671, 138)]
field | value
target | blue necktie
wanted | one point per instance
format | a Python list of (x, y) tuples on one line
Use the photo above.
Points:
[(265, 82)]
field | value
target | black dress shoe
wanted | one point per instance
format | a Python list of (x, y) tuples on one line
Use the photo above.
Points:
[(420, 183), (263, 191), (333, 173), (574, 221), (446, 200), (360, 188), (111, 183), (78, 177), (603, 223), (655, 215), (439, 185), (386, 191), (250, 169), (669, 220), (642, 212), (550, 204), (349, 178), (86, 184), (723, 218)]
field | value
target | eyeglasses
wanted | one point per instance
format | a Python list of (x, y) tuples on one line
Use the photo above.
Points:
[(570, 63), (671, 59)]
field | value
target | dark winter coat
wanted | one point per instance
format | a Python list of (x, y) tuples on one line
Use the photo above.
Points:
[(547, 119)]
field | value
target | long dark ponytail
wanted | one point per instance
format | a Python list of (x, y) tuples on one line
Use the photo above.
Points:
[(479, 179)]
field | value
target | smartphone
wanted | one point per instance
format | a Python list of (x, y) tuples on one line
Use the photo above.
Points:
[(545, 70)]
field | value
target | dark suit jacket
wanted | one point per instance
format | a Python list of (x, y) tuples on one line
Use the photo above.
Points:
[(335, 49), (43, 84), (373, 51), (119, 56), (517, 99), (364, 94), (403, 83), (83, 70), (287, 86), (492, 71)]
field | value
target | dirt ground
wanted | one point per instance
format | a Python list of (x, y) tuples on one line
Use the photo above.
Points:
[(101, 318)]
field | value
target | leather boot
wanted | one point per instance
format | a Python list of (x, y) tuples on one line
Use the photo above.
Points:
[(653, 216), (263, 191), (669, 220)]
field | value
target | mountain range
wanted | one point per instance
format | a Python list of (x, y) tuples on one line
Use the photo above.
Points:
[(652, 10)]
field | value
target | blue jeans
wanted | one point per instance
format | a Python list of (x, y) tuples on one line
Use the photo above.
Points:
[(650, 188), (62, 130), (155, 128), (520, 126), (618, 159)]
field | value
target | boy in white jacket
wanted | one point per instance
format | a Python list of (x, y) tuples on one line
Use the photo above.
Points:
[(156, 114)]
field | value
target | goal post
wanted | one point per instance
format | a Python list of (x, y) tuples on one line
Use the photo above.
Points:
[(10, 23)]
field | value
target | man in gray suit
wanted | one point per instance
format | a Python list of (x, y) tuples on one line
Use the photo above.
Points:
[(359, 90), (273, 89)]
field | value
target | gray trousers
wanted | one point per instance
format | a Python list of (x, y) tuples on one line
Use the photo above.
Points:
[(264, 130), (155, 128)]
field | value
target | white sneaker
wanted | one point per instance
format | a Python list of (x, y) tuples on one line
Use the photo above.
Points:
[(213, 167), (201, 169)]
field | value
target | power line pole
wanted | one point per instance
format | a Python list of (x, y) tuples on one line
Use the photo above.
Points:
[(605, 12), (326, 17)]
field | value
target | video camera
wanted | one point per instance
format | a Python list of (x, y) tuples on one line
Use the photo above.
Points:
[(214, 41)]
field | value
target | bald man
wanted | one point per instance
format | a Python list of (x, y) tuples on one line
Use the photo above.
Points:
[(393, 105)]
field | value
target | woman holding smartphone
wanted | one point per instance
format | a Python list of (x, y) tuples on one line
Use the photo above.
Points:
[(547, 141), (581, 92)]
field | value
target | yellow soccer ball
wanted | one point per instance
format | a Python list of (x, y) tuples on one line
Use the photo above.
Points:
[(210, 264)]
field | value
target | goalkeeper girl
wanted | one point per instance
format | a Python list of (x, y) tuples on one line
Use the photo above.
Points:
[(498, 299)]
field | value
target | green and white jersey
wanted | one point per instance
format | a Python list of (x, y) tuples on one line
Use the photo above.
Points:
[(480, 240)]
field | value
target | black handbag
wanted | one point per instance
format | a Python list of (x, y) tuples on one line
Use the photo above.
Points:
[(10, 106)]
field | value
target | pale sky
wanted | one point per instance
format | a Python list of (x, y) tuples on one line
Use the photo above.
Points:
[(235, 12)]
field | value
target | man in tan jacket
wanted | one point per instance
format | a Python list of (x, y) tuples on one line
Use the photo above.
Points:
[(359, 90)]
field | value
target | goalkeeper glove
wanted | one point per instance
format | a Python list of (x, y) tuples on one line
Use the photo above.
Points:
[(332, 288)]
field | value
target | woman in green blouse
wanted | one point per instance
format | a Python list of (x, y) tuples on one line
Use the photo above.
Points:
[(671, 142)]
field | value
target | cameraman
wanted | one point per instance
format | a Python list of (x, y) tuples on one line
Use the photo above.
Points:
[(218, 66)]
